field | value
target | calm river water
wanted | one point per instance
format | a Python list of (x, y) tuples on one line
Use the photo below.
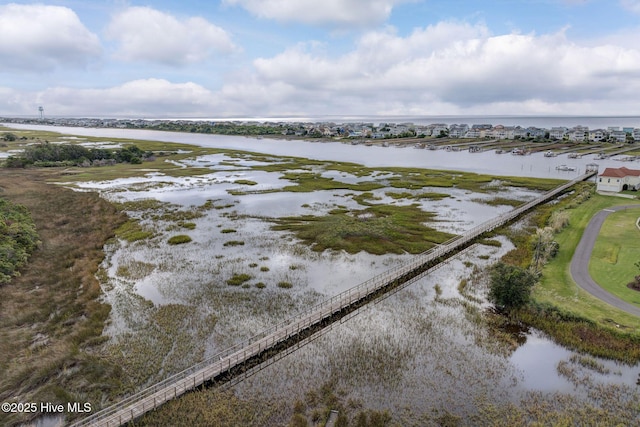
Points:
[(535, 165)]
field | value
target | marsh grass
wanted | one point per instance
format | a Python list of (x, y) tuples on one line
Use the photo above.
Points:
[(238, 279), (614, 405), (233, 243), (498, 201), (589, 363), (224, 409), (285, 285), (582, 334), (132, 231), (187, 225), (52, 320), (167, 342), (134, 270), (377, 229), (179, 239)]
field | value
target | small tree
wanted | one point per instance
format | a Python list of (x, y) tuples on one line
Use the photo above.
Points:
[(510, 286)]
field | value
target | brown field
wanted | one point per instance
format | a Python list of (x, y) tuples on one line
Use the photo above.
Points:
[(51, 321)]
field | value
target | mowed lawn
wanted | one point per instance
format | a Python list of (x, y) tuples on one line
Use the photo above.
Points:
[(616, 251), (556, 287)]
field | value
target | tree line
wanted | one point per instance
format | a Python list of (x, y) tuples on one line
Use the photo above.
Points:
[(47, 154)]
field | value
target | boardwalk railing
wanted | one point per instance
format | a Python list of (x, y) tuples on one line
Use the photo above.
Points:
[(233, 357)]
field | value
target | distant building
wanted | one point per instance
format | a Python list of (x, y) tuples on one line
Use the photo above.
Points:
[(619, 136), (558, 132), (458, 131), (439, 128), (478, 131), (636, 134), (578, 133), (619, 179), (598, 135)]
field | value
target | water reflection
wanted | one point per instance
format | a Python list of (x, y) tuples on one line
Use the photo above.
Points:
[(538, 359)]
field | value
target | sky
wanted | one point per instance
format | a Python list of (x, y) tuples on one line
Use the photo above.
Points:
[(297, 58)]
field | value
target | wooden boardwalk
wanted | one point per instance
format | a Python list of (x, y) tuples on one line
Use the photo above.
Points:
[(242, 357)]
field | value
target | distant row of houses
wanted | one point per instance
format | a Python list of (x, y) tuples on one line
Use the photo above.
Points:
[(477, 131), (388, 130)]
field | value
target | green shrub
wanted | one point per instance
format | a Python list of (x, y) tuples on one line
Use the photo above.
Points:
[(285, 285), (234, 243), (510, 286)]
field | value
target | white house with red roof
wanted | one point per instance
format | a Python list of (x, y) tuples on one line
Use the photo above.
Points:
[(619, 179)]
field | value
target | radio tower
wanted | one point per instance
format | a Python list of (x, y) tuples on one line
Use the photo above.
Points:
[(41, 109)]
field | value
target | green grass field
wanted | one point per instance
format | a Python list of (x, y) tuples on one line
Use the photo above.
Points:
[(556, 287), (615, 253)]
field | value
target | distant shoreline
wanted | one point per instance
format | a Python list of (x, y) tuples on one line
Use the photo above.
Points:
[(589, 132), (505, 120)]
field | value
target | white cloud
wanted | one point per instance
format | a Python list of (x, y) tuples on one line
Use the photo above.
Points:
[(146, 34), (459, 67), (333, 12), (632, 5), (41, 38), (146, 97), (448, 68)]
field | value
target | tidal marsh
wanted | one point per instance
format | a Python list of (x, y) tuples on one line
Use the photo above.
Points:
[(434, 356)]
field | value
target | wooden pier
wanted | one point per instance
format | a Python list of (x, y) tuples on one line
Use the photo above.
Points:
[(289, 335)]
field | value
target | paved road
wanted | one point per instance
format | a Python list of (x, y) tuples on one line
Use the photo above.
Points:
[(582, 255)]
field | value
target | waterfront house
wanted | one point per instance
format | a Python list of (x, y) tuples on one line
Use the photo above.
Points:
[(501, 132), (458, 131), (636, 134), (558, 132), (438, 129), (619, 136), (535, 132), (597, 135), (472, 134), (578, 133), (478, 131), (619, 179), (422, 130)]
